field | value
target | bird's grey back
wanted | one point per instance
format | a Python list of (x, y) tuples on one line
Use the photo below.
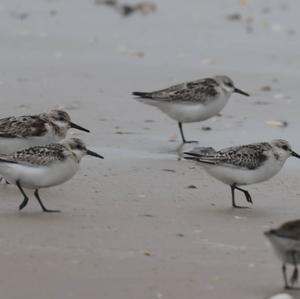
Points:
[(37, 155), (249, 156), (199, 91), (22, 126)]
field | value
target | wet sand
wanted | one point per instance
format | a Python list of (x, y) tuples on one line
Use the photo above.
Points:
[(130, 225)]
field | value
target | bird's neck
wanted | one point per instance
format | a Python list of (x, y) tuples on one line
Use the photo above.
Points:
[(60, 131), (76, 155)]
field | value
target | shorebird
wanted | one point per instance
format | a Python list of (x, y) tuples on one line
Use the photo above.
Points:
[(43, 166), (286, 243), (20, 132), (245, 164), (192, 101)]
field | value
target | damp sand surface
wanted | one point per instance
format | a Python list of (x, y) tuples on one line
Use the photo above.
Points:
[(142, 223)]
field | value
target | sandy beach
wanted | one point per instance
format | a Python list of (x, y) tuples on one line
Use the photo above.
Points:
[(142, 224)]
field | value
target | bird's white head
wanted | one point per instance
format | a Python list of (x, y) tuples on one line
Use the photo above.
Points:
[(283, 150), (62, 121), (227, 85), (78, 148)]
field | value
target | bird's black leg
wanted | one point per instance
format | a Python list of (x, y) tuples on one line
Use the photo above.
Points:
[(232, 196), (247, 194), (181, 132), (36, 194), (25, 201), (294, 277), (182, 135), (286, 285), (234, 205)]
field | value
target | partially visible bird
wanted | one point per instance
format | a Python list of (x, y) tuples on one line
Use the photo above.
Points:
[(20, 132), (286, 243)]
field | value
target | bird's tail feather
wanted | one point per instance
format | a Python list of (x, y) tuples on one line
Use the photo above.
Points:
[(199, 158), (140, 94), (7, 160)]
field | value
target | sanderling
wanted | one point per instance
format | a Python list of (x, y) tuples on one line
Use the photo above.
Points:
[(192, 101), (17, 133), (286, 243), (43, 166), (245, 164)]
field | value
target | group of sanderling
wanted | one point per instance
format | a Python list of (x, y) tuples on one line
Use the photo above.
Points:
[(234, 166), (35, 153)]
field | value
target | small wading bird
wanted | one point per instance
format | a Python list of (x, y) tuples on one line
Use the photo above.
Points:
[(192, 101), (245, 164), (20, 132), (43, 166), (286, 243)]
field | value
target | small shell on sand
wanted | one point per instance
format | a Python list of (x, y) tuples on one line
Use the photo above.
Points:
[(277, 123)]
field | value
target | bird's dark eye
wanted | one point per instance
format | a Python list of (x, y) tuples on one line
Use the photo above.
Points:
[(285, 147), (80, 146)]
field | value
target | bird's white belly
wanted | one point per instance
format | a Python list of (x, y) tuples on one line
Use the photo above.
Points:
[(34, 177), (186, 112), (10, 145), (234, 175)]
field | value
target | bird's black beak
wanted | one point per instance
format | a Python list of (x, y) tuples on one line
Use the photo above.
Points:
[(91, 153), (295, 155), (241, 92), (78, 127)]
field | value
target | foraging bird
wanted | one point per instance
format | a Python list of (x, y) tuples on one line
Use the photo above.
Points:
[(17, 133), (286, 243), (43, 166), (192, 101), (245, 164)]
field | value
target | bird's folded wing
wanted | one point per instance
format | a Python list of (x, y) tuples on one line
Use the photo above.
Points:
[(36, 156), (23, 126), (7, 159), (248, 157), (203, 158)]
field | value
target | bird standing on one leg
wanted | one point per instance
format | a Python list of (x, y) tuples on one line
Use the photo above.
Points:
[(245, 164), (192, 101)]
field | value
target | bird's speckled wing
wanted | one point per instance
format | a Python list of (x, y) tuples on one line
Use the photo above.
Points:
[(249, 156), (200, 91), (37, 155), (22, 126)]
